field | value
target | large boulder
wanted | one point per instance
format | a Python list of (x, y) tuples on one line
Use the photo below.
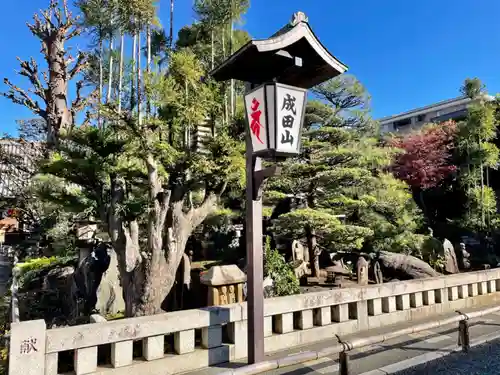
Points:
[(88, 278), (109, 293), (404, 267), (46, 293)]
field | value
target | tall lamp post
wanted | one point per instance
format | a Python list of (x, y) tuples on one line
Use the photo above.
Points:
[(277, 72)]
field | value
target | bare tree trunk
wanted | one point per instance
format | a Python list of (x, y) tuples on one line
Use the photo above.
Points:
[(483, 221), (212, 48), (120, 74), (312, 242), (139, 81), (223, 43), (226, 109), (148, 280), (132, 80), (53, 28), (125, 239), (313, 250), (148, 67), (110, 76), (159, 274), (171, 37), (231, 35), (59, 116), (488, 218), (101, 73)]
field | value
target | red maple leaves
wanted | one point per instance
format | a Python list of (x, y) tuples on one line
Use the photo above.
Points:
[(426, 162)]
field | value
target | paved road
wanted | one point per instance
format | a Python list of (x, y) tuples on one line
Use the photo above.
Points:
[(481, 360), (391, 356)]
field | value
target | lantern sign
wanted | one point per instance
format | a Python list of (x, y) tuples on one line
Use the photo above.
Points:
[(275, 114)]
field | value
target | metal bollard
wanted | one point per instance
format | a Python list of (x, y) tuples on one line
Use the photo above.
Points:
[(463, 335), (343, 363)]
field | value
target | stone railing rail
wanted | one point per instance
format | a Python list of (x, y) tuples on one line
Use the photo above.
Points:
[(342, 348), (181, 341)]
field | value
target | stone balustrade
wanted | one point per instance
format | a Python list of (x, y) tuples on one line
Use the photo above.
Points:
[(186, 340)]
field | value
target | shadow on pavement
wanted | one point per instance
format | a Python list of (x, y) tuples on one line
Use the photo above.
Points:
[(481, 360)]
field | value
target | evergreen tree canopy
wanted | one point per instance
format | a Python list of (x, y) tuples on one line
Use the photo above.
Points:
[(476, 152), (349, 199), (145, 182)]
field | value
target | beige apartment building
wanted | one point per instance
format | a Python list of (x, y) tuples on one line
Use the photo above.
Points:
[(451, 109)]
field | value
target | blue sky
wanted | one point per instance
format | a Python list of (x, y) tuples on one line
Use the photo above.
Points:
[(407, 53)]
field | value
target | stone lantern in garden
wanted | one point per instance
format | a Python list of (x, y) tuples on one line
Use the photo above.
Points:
[(277, 71)]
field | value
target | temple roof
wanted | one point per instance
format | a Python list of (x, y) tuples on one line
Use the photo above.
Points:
[(261, 61)]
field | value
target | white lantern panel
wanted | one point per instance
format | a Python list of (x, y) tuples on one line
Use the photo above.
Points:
[(271, 115), (255, 105), (290, 103)]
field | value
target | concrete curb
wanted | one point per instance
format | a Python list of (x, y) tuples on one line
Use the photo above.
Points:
[(439, 353), (307, 356), (294, 359)]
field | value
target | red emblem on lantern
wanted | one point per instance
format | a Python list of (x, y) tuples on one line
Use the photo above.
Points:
[(255, 124)]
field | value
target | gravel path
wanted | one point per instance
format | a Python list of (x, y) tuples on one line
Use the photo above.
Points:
[(481, 360)]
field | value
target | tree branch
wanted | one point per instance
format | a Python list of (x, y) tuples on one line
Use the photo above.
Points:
[(81, 102), (48, 17), (81, 63), (75, 32), (67, 13), (59, 18), (29, 69), (18, 96)]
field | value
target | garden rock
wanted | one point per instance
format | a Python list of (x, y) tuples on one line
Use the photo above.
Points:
[(404, 267), (109, 293), (450, 258)]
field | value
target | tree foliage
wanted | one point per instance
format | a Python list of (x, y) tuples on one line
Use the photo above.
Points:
[(476, 154), (285, 282), (141, 177), (427, 157), (348, 199), (346, 101), (147, 185)]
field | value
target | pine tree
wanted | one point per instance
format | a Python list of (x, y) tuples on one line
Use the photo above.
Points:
[(150, 191), (349, 200)]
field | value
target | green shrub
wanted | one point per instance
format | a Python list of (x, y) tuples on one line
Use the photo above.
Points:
[(4, 330), (116, 316), (36, 264), (275, 266), (29, 269), (4, 357)]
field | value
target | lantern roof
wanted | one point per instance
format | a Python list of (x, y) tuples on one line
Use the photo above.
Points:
[(293, 56)]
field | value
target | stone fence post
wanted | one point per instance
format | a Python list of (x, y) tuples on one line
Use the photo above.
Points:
[(27, 348)]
